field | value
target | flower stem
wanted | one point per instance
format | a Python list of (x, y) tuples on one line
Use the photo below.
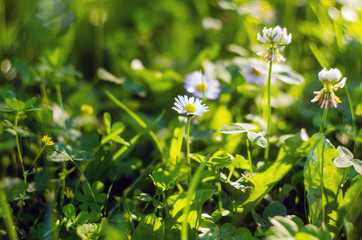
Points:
[(60, 103), (7, 218), (324, 118), (322, 186), (266, 153), (22, 165), (219, 189), (249, 157), (193, 184), (188, 147), (355, 147), (36, 159)]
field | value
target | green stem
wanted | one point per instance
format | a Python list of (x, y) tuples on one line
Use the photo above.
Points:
[(7, 218), (266, 153), (355, 147), (60, 103), (322, 186), (165, 203), (62, 189), (219, 189), (188, 147), (89, 186), (22, 165), (324, 118), (193, 184), (231, 172), (36, 159), (249, 157)]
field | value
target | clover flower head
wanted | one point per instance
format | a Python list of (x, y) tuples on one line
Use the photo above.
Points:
[(47, 140), (189, 106), (331, 80), (198, 84), (275, 39), (87, 109)]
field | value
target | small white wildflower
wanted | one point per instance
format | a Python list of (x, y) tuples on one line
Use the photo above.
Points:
[(189, 106), (331, 82), (199, 84), (275, 39), (253, 75)]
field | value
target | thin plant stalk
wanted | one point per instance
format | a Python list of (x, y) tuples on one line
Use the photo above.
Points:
[(22, 165), (7, 218), (266, 153), (62, 189), (249, 156), (322, 186), (355, 147), (188, 147), (193, 185), (89, 186), (36, 159), (324, 118), (60, 102), (165, 203), (219, 190)]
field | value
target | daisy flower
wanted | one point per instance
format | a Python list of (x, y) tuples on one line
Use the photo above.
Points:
[(331, 80), (189, 106), (275, 39), (253, 75), (199, 84)]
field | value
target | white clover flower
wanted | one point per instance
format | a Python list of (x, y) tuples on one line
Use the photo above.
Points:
[(253, 75), (331, 82), (275, 39), (189, 106), (199, 84)]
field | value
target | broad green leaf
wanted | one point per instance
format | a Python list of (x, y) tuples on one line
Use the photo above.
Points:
[(30, 102), (82, 156), (275, 208), (9, 95), (283, 228), (150, 228), (197, 157), (69, 211), (176, 142), (107, 122), (243, 233), (227, 231), (82, 217), (87, 231), (235, 128), (291, 152), (240, 162), (97, 186), (220, 159), (162, 179), (58, 157), (63, 148), (357, 164), (320, 158), (257, 139)]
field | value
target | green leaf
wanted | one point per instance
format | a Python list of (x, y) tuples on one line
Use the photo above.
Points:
[(208, 231), (107, 122), (97, 186), (240, 162), (220, 159), (162, 179), (257, 139), (82, 218), (150, 228), (275, 208), (30, 102), (87, 231), (9, 95), (58, 157), (283, 228), (227, 231), (69, 211), (197, 157), (320, 157), (291, 152), (82, 156), (236, 128)]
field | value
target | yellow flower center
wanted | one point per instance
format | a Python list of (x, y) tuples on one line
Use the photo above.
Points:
[(201, 87), (190, 108), (255, 72)]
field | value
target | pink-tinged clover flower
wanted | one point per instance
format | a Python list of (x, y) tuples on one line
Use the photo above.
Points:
[(331, 80), (275, 40), (189, 106), (198, 84)]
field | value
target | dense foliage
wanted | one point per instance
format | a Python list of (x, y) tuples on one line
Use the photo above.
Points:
[(94, 145)]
